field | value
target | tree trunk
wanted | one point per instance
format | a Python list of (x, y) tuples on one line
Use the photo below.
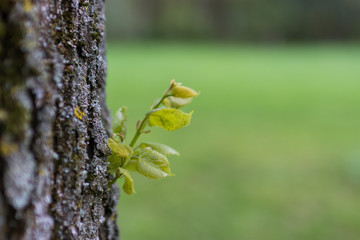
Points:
[(54, 122)]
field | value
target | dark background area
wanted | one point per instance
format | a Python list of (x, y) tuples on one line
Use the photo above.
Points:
[(245, 20)]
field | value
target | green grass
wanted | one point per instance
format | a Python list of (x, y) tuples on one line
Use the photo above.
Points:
[(273, 151)]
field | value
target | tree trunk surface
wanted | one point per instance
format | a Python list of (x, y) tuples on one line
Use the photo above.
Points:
[(54, 122)]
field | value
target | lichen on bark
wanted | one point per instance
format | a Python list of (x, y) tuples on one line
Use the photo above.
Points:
[(53, 160)]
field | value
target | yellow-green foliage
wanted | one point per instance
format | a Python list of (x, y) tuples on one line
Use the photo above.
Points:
[(148, 159), (169, 119)]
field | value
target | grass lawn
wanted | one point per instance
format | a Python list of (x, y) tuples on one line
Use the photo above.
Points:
[(273, 151)]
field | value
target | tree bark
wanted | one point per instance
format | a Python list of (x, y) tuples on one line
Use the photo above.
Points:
[(54, 122)]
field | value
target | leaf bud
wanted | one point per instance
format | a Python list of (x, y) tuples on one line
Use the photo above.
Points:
[(117, 172), (176, 102), (183, 92)]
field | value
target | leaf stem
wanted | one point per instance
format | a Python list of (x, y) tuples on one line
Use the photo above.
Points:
[(144, 120), (138, 131), (113, 181)]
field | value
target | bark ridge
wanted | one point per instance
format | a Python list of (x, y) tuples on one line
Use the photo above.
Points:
[(54, 122)]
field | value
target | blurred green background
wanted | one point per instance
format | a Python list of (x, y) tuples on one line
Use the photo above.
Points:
[(273, 150)]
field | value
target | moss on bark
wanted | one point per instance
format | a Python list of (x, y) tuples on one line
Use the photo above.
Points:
[(54, 122)]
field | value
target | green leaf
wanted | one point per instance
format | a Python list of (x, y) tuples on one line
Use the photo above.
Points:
[(176, 102), (120, 153), (169, 119), (119, 149), (117, 138), (161, 148), (150, 170), (132, 164), (119, 122), (128, 186), (153, 164), (115, 162)]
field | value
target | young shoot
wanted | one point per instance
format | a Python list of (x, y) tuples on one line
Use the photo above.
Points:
[(147, 158)]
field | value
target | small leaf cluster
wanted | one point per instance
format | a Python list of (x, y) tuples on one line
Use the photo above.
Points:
[(147, 158)]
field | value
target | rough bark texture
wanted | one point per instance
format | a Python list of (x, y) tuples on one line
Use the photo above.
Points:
[(54, 122)]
